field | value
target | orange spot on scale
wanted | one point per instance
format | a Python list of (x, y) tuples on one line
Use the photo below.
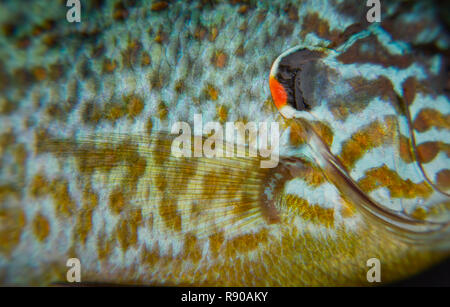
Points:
[(279, 95)]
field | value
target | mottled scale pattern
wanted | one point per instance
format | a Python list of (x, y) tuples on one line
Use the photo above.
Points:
[(85, 163)]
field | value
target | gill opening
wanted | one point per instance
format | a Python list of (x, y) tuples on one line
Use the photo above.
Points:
[(405, 227), (414, 147)]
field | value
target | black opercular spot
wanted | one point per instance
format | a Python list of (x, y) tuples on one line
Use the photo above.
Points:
[(300, 103), (292, 73)]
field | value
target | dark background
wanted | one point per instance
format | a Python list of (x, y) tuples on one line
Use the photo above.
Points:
[(438, 275)]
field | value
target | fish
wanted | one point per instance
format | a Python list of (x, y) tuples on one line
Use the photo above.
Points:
[(87, 169)]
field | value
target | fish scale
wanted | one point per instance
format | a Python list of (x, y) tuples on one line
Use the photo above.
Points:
[(86, 169)]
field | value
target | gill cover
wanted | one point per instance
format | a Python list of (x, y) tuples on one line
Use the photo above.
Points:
[(364, 158)]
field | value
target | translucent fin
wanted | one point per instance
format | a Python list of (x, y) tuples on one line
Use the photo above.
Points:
[(196, 195)]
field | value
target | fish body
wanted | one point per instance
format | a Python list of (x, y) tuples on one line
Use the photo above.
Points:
[(87, 170)]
